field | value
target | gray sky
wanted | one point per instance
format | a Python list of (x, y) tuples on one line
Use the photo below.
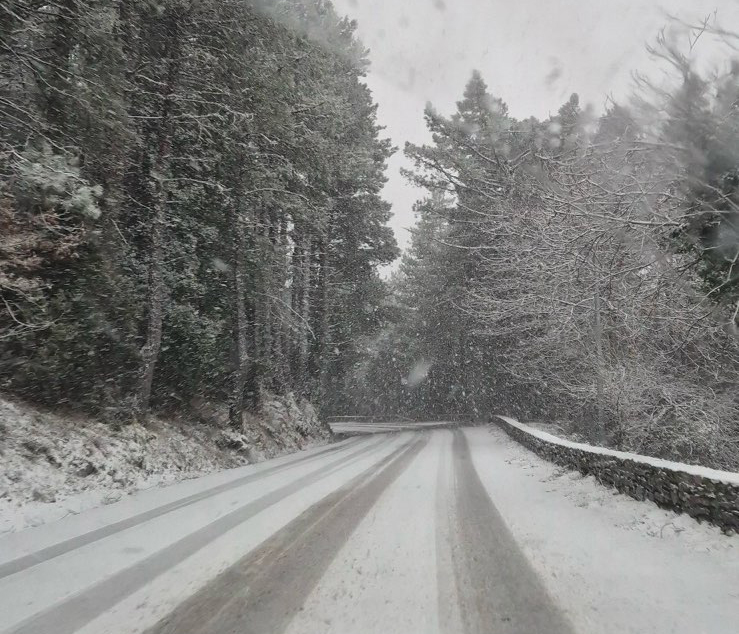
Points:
[(532, 53)]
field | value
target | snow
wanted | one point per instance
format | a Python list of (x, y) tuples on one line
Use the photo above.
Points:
[(704, 472), (16, 544), (85, 566), (138, 612), (384, 578), (56, 466), (614, 564)]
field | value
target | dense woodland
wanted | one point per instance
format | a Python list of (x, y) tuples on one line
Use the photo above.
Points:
[(190, 209), (580, 269), (189, 202)]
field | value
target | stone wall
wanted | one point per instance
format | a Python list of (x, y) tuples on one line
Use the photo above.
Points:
[(705, 494)]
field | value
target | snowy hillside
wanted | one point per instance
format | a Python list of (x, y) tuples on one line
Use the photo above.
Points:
[(55, 465)]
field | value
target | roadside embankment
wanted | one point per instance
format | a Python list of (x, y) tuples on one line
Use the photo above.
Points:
[(55, 464)]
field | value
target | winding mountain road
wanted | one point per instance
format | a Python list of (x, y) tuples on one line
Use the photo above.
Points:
[(381, 533)]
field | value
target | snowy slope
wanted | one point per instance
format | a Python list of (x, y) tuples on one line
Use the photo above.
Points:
[(55, 465)]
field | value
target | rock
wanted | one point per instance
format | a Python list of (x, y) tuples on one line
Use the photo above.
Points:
[(36, 448), (208, 412), (253, 455), (43, 496), (87, 469), (233, 440), (112, 498)]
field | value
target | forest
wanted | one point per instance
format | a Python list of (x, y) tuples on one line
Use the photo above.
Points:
[(582, 269), (191, 209), (189, 203)]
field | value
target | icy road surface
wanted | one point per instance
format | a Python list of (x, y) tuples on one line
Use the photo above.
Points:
[(434, 530)]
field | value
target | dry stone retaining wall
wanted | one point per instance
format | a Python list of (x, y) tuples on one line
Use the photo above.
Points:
[(705, 494)]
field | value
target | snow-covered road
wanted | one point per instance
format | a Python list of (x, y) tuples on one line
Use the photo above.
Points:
[(435, 530)]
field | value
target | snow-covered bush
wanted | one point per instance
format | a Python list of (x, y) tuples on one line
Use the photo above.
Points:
[(48, 181)]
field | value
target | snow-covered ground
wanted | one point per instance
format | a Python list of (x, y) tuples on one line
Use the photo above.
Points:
[(58, 465), (435, 531), (133, 587), (393, 589), (615, 564)]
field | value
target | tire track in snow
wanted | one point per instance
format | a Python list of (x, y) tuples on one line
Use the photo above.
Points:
[(263, 591), (497, 588), (50, 552), (447, 599), (72, 614)]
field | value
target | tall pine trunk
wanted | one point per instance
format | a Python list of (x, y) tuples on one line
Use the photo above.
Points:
[(59, 51), (155, 302), (160, 168), (240, 322), (319, 321), (300, 266)]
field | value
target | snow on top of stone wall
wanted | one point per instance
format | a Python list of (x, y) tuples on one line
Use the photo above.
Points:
[(703, 472)]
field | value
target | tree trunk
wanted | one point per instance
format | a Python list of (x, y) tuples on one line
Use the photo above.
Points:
[(300, 302), (305, 314), (319, 321), (157, 290), (599, 427), (57, 81), (150, 350), (240, 325), (277, 328)]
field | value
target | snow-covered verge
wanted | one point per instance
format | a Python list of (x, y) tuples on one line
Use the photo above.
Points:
[(54, 465), (701, 492), (616, 565)]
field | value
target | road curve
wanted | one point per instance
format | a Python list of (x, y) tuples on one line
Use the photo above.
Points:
[(381, 534)]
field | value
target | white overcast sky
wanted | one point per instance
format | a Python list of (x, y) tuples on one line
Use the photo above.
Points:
[(532, 53)]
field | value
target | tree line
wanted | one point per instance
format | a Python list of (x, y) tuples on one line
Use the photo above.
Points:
[(189, 203), (190, 209), (581, 269)]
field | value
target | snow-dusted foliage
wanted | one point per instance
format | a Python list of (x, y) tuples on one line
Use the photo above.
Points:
[(582, 268), (186, 210), (283, 423), (46, 181)]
